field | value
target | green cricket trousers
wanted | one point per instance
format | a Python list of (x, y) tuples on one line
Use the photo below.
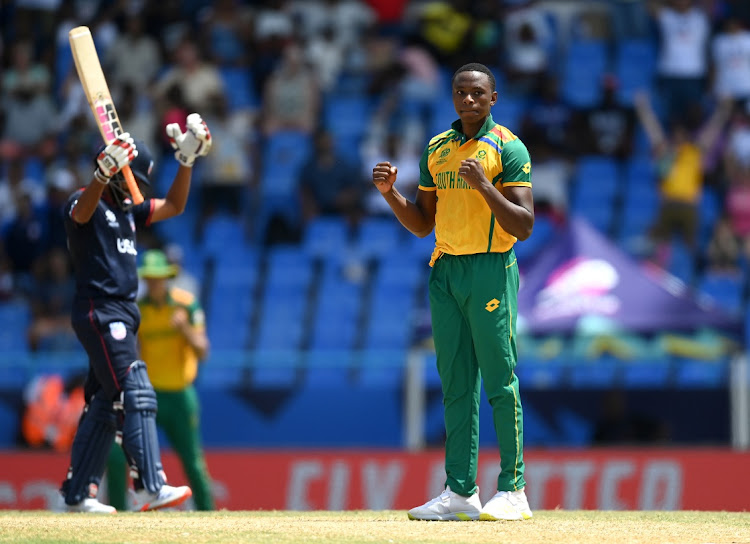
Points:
[(179, 418), (473, 302)]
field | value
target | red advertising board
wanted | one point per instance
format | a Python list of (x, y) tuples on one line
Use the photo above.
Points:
[(616, 479)]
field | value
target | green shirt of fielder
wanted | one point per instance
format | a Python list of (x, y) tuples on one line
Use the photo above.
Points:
[(172, 341), (475, 191)]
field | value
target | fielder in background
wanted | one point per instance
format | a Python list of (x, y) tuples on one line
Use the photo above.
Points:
[(173, 340), (475, 191), (100, 223)]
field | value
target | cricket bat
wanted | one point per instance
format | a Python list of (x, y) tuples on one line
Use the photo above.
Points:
[(97, 93)]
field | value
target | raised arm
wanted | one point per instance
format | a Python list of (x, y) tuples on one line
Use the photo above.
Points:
[(650, 122), (711, 132), (193, 143)]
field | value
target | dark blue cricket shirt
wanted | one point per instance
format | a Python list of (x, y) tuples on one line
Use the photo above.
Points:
[(103, 251)]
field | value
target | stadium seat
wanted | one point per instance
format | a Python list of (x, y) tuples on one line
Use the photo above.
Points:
[(646, 374), (222, 234), (377, 237), (15, 317), (288, 266), (595, 178), (582, 70), (634, 67), (346, 118), (400, 270), (600, 374), (693, 374), (325, 236), (724, 289), (238, 87), (681, 262)]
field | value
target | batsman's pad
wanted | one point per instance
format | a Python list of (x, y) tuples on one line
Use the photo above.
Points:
[(96, 432), (139, 439)]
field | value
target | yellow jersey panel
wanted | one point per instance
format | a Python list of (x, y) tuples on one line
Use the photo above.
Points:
[(171, 362), (464, 223)]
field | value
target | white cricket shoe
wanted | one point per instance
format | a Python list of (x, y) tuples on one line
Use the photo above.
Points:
[(507, 505), (93, 506), (166, 497), (448, 506)]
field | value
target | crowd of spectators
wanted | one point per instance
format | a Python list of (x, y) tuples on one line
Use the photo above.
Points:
[(166, 59)]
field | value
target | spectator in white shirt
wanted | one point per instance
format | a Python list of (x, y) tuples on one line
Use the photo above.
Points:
[(683, 64), (731, 59)]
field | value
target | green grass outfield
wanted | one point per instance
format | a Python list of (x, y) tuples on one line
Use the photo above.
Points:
[(369, 526)]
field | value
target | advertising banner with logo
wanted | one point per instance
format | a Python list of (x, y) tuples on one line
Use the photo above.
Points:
[(582, 274), (616, 479)]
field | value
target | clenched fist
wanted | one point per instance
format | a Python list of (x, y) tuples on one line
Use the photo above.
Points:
[(115, 157), (384, 176)]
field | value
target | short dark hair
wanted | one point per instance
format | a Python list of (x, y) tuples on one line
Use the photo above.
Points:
[(476, 67)]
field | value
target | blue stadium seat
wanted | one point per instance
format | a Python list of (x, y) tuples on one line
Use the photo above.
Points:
[(229, 315), (582, 71), (533, 374), (288, 266), (238, 87), (15, 317), (596, 375), (336, 317), (508, 112), (639, 211), (724, 289), (544, 232), (222, 234), (681, 263), (634, 67), (389, 323), (346, 117), (596, 178), (646, 374), (326, 236), (600, 217), (280, 328), (693, 374), (400, 270), (377, 236)]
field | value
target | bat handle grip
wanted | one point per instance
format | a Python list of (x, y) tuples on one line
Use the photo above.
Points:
[(135, 192)]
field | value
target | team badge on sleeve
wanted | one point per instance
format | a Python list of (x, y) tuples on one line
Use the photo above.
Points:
[(117, 330)]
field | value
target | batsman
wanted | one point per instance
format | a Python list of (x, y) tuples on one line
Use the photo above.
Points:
[(173, 340), (101, 223)]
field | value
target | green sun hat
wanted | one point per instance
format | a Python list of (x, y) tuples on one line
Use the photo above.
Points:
[(156, 265)]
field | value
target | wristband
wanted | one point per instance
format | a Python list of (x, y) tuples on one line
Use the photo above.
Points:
[(101, 178)]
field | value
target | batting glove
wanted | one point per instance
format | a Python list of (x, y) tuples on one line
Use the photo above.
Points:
[(115, 157), (194, 142)]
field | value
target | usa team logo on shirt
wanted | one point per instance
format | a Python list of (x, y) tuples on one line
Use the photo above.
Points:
[(117, 330), (111, 218)]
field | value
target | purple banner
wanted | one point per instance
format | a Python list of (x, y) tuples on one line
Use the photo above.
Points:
[(582, 274)]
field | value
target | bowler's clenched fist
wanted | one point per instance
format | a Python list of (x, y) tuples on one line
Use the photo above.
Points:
[(472, 172), (384, 176)]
